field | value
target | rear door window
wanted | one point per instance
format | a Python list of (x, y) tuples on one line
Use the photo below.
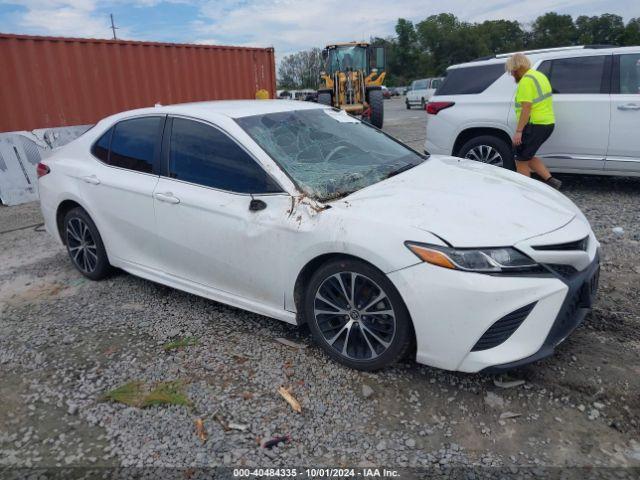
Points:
[(101, 148), (134, 143), (576, 75), (630, 74), (204, 155), (470, 80)]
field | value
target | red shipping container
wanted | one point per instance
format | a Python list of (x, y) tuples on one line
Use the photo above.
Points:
[(56, 82)]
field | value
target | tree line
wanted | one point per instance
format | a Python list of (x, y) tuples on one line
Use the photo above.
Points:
[(427, 48)]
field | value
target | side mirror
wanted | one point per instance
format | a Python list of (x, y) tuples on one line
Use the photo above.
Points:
[(257, 205)]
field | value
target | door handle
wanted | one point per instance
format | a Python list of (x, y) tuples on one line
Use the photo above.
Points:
[(629, 106), (92, 179), (166, 197)]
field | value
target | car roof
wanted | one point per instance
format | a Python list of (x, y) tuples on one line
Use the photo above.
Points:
[(544, 54), (226, 108)]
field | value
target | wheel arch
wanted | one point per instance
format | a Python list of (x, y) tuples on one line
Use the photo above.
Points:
[(468, 133), (63, 208)]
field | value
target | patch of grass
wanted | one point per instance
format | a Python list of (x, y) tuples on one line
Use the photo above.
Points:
[(130, 394), (166, 393), (137, 394), (180, 343)]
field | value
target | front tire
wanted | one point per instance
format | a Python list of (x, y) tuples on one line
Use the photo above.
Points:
[(488, 149), (84, 245), (356, 315), (376, 106), (407, 104)]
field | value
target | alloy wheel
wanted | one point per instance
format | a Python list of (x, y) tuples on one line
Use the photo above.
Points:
[(81, 245), (355, 316), (485, 154)]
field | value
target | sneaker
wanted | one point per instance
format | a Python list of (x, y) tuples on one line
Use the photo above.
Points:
[(554, 182)]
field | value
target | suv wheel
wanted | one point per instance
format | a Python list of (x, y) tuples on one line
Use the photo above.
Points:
[(488, 149), (407, 104)]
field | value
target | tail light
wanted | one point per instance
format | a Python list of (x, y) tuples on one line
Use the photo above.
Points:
[(42, 169), (434, 107)]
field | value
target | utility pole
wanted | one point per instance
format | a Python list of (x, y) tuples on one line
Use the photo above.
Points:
[(113, 27)]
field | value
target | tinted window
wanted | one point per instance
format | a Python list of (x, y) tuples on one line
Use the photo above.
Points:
[(630, 73), (575, 75), (545, 67), (204, 155), (101, 147), (469, 80), (435, 83), (134, 142)]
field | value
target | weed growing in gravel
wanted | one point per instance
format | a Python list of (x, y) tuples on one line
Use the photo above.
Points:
[(166, 393), (136, 394), (129, 394), (180, 343)]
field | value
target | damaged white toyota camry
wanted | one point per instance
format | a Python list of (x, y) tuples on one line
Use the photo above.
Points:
[(302, 213)]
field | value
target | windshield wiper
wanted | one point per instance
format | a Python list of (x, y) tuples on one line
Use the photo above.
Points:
[(404, 168)]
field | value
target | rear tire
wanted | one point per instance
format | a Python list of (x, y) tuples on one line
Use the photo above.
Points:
[(356, 335), (484, 148), (376, 107), (324, 98), (84, 245)]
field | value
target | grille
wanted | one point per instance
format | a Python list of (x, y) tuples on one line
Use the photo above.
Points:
[(503, 328), (563, 270), (577, 245)]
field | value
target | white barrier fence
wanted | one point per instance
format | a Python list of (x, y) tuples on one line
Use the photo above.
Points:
[(20, 152)]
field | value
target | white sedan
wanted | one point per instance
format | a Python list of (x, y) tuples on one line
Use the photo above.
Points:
[(305, 214)]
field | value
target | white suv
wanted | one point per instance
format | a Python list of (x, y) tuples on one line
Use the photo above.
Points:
[(421, 91), (596, 99)]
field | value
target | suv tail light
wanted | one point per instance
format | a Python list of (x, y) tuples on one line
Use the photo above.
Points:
[(42, 169), (434, 107)]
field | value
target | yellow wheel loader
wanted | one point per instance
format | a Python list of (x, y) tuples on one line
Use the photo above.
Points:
[(352, 80)]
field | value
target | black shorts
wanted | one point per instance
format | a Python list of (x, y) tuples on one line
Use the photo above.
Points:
[(533, 136)]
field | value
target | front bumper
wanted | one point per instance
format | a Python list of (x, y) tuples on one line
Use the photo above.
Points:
[(451, 310), (583, 287)]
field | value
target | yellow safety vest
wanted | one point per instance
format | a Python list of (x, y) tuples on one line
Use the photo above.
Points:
[(534, 87)]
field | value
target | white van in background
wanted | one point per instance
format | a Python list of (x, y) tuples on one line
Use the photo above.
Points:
[(421, 91)]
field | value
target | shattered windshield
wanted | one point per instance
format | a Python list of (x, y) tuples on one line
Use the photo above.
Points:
[(328, 153)]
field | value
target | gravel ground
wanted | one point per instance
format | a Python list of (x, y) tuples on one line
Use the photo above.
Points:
[(66, 341)]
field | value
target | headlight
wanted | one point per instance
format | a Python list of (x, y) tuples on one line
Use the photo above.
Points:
[(486, 260)]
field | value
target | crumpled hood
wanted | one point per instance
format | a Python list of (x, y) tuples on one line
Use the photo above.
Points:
[(466, 203)]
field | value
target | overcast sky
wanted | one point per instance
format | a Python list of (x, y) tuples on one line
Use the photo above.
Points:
[(287, 25)]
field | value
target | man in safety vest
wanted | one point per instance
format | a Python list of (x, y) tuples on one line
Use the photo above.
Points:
[(534, 112)]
